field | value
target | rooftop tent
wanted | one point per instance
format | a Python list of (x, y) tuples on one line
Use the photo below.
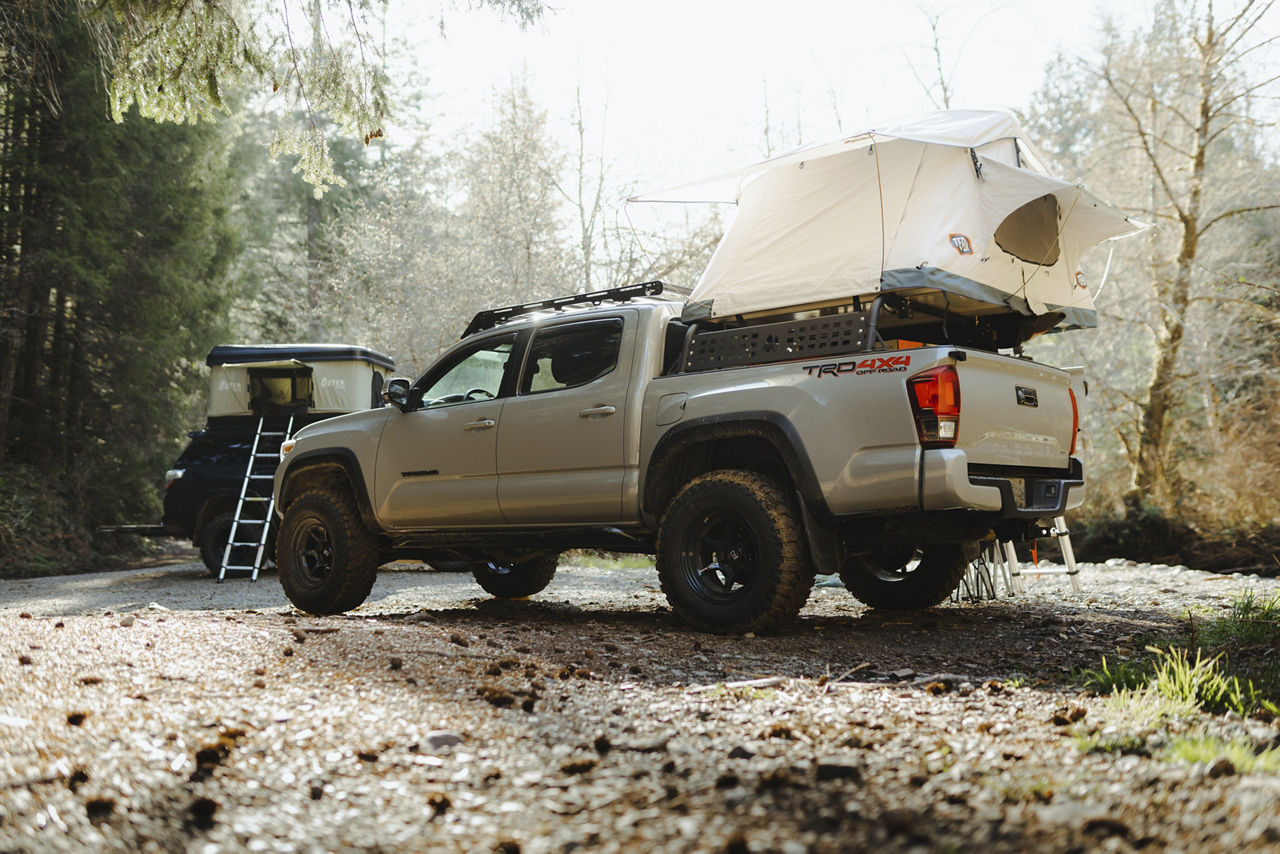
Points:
[(957, 202), (318, 378)]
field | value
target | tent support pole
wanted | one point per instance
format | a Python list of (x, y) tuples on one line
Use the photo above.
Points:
[(873, 320)]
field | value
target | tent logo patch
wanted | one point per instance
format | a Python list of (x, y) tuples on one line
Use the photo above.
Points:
[(1080, 283), (962, 244)]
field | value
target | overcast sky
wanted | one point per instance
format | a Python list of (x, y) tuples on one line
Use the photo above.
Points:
[(686, 82)]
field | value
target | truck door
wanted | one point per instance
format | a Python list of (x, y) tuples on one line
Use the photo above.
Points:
[(437, 464), (561, 443)]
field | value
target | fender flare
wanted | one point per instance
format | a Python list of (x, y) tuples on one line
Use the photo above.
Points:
[(344, 459), (773, 427)]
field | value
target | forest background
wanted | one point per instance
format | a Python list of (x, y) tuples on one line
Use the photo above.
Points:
[(180, 173)]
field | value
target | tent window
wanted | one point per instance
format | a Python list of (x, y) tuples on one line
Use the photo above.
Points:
[(274, 391), (1031, 232)]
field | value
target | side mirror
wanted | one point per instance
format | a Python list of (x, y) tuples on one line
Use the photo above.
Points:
[(397, 393)]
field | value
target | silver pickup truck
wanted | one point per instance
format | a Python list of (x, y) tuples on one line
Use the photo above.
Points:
[(745, 455)]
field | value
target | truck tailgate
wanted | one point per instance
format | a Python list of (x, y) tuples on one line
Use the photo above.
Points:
[(1014, 412)]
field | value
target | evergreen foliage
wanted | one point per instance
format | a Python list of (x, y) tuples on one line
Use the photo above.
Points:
[(116, 244)]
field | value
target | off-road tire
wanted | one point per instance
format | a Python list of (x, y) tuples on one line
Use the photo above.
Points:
[(731, 553), (326, 558), (880, 585), (213, 541), (508, 580)]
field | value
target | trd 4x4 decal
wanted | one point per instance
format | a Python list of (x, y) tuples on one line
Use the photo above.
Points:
[(861, 367)]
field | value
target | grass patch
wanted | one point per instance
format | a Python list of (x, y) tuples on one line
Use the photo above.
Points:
[(1137, 721), (1122, 676), (1243, 755), (1207, 684), (1157, 705), (1252, 621)]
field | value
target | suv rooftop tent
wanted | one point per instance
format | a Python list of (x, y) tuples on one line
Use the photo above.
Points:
[(234, 354), (492, 317), (319, 379)]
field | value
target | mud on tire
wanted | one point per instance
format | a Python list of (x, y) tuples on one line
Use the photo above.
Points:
[(888, 580), (515, 580), (731, 553), (326, 558)]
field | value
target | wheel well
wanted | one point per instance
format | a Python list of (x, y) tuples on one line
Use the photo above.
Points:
[(212, 507), (730, 446), (308, 476)]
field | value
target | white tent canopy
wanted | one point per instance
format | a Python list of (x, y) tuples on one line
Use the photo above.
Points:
[(957, 201)]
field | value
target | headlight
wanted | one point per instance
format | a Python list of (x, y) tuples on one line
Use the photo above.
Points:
[(171, 475), (285, 447)]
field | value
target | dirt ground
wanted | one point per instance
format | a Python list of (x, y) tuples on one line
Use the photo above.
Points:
[(155, 710)]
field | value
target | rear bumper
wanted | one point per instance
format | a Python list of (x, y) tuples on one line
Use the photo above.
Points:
[(948, 482)]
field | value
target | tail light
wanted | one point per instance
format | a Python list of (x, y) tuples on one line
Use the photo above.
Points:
[(1075, 419), (935, 403)]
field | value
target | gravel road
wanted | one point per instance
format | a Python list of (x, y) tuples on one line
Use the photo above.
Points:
[(155, 710)]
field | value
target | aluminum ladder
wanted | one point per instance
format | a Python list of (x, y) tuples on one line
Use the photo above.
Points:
[(246, 550)]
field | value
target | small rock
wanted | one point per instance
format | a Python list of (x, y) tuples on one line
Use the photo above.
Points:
[(1221, 767), (127, 621), (838, 771), (439, 802), (202, 812), (441, 738), (1104, 826), (741, 752), (727, 780), (25, 659), (99, 809), (396, 662), (76, 718), (495, 696), (602, 745), (577, 766), (902, 673)]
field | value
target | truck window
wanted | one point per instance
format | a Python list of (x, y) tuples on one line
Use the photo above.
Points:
[(571, 355), (475, 374)]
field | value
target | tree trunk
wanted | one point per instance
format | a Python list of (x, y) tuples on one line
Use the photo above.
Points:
[(23, 130), (1154, 470)]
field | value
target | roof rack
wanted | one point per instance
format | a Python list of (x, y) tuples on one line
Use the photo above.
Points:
[(490, 318)]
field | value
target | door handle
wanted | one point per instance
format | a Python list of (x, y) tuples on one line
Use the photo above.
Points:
[(482, 424), (600, 411)]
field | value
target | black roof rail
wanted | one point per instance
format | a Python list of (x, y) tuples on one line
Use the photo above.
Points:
[(491, 317)]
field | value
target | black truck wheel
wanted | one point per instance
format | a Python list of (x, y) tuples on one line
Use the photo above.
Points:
[(516, 579), (213, 541), (731, 553), (890, 579), (326, 558)]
